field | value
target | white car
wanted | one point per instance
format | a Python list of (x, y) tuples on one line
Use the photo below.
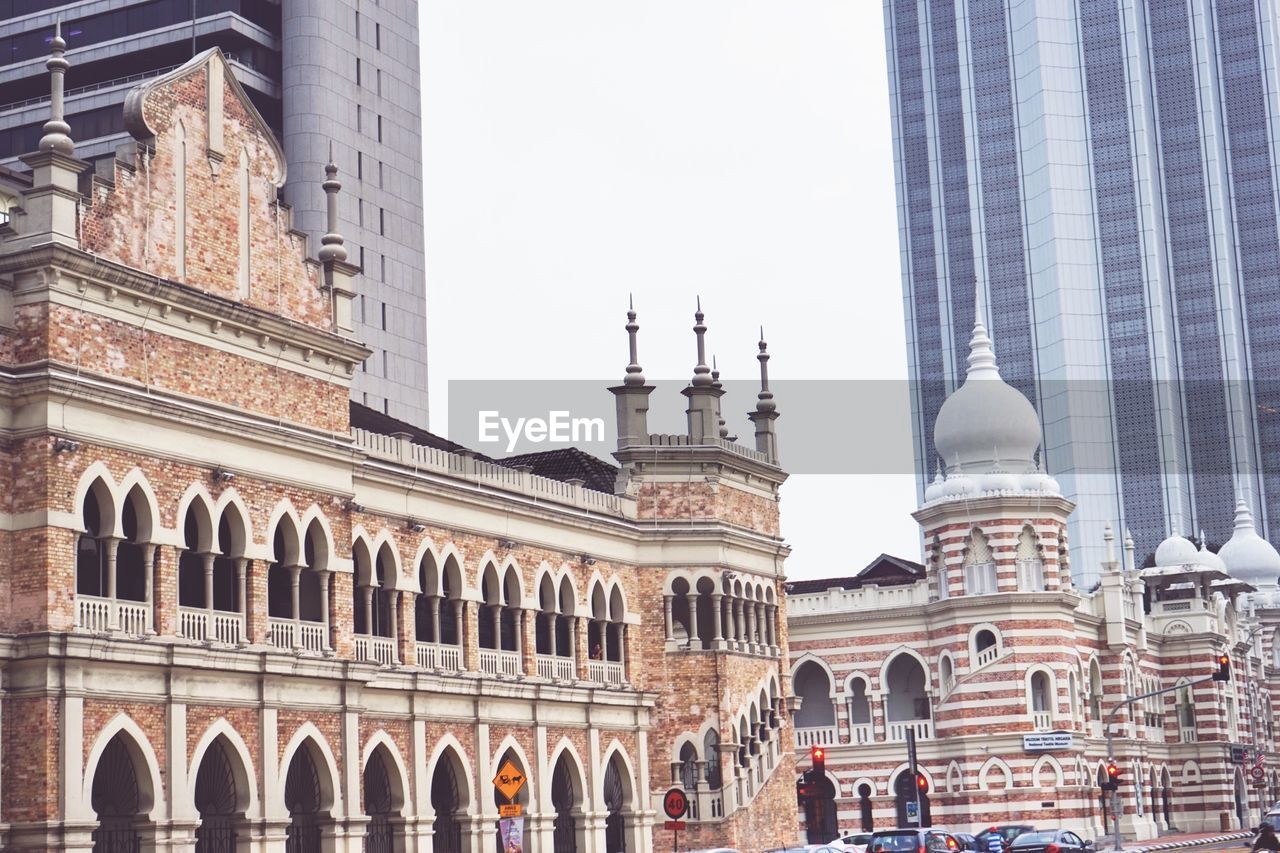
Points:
[(856, 842)]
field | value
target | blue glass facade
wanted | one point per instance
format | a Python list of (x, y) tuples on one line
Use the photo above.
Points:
[(1165, 287)]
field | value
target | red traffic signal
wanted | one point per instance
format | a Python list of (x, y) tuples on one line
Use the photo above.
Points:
[(1224, 668), (922, 783), (818, 756), (1113, 775)]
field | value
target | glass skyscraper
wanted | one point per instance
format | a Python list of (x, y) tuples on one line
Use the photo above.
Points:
[(1105, 170), (322, 72)]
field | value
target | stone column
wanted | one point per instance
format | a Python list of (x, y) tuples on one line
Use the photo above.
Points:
[(367, 594), (242, 599), (295, 602), (759, 613), (435, 619), (739, 628), (323, 575), (149, 552), (208, 591), (693, 619), (393, 606), (771, 624), (718, 638), (622, 651), (113, 616)]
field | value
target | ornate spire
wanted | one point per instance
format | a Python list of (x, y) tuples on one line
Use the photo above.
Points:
[(701, 373), (1244, 518), (1109, 540), (332, 248), (57, 133), (635, 376), (764, 400), (718, 385)]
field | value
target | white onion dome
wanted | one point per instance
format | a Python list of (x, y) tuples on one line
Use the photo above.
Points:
[(986, 420), (999, 480), (1246, 555), (1176, 551), (958, 485), (1205, 557)]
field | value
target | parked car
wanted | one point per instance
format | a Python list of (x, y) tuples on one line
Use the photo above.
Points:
[(967, 841), (1007, 833), (1050, 841), (913, 841), (714, 850), (856, 842)]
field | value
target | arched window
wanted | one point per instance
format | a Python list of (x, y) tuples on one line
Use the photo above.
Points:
[(1030, 566), (91, 547), (382, 803), (678, 622), (907, 700), (947, 674), (438, 615), (986, 648), (217, 800), (979, 566), (816, 718), (864, 808), (618, 807), (1073, 688), (688, 766), (711, 754), (117, 800), (448, 801), (566, 798), (1095, 691), (304, 797), (1041, 702), (1186, 716), (860, 730)]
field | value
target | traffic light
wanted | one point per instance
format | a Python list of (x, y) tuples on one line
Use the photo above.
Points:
[(1224, 668), (922, 783), (818, 756), (1113, 775)]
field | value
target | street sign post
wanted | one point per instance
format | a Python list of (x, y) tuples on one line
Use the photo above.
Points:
[(509, 780), (675, 804)]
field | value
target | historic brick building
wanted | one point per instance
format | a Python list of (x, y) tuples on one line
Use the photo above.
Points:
[(988, 642), (232, 621)]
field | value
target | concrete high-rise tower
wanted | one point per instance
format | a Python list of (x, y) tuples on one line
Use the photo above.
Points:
[(322, 72), (1105, 172)]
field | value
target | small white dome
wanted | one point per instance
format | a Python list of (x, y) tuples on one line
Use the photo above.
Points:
[(986, 419), (999, 481), (935, 489), (957, 485), (1175, 551), (1246, 555), (1207, 558)]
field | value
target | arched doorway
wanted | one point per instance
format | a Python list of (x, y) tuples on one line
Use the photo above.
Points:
[(864, 807), (820, 813), (117, 800), (217, 801), (616, 807), (381, 803), (448, 800), (566, 799), (905, 791), (305, 798)]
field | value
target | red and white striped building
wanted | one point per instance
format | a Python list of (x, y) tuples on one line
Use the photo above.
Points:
[(987, 642)]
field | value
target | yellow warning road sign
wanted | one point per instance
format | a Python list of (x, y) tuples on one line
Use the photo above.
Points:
[(509, 780)]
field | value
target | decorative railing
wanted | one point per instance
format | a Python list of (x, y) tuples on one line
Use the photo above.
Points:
[(815, 735), (605, 672), (1042, 720), (211, 625), (380, 650), (897, 731), (986, 656), (866, 598), (442, 657), (861, 733), (109, 614), (463, 466), (1187, 734), (498, 662), (294, 634), (556, 668)]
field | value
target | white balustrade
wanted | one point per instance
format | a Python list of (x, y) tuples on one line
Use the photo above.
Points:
[(1187, 734), (106, 614), (555, 667), (922, 728), (450, 658), (93, 613), (199, 624), (499, 662), (861, 733), (1042, 720), (815, 735), (424, 655), (986, 656), (605, 672), (280, 633), (313, 636), (380, 650)]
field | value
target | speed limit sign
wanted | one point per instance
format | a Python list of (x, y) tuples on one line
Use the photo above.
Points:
[(1259, 774)]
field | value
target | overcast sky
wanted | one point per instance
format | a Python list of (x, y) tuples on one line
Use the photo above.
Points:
[(576, 152)]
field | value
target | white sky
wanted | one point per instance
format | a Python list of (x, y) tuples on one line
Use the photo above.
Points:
[(576, 152)]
